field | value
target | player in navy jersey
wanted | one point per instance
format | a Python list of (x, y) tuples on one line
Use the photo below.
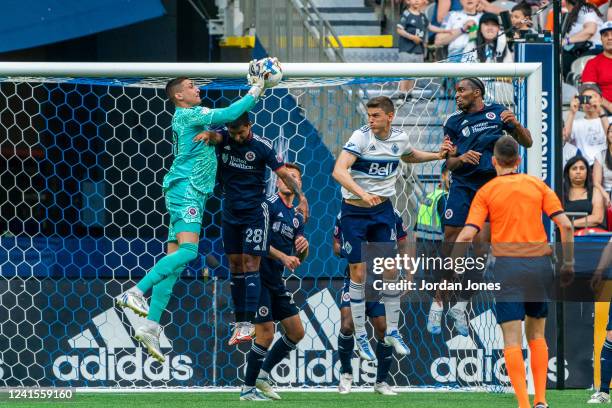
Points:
[(243, 158), (288, 248), (375, 310), (473, 129), (367, 170)]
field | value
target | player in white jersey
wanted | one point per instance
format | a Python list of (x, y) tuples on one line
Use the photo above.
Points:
[(367, 169)]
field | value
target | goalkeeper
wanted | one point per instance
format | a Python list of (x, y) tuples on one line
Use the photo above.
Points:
[(186, 187)]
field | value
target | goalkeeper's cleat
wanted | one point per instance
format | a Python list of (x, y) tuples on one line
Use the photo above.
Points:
[(540, 405), (599, 398), (263, 385), (134, 301), (363, 346), (252, 394), (346, 382), (393, 338), (434, 320), (383, 388), (149, 337), (243, 332), (461, 323)]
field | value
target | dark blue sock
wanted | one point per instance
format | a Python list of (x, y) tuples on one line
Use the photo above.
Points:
[(238, 290), (252, 284), (279, 350), (346, 345), (255, 359), (383, 355), (606, 367)]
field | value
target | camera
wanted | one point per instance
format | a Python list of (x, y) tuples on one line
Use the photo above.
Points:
[(582, 99)]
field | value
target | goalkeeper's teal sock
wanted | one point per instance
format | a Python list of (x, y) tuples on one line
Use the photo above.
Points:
[(167, 265), (161, 295)]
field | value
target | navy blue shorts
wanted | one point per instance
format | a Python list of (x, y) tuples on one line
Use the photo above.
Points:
[(360, 225), (609, 326), (373, 309), (275, 304), (509, 311), (458, 205), (246, 231)]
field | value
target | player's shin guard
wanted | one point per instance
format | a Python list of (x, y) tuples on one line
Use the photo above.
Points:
[(167, 265), (238, 298), (358, 306), (391, 299), (280, 350), (515, 365), (606, 367), (252, 284), (255, 360), (383, 356), (346, 345), (539, 367)]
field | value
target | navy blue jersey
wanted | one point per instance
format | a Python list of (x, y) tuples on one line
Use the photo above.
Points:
[(476, 131), (242, 170), (285, 226)]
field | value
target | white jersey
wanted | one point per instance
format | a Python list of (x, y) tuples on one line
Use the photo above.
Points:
[(376, 167)]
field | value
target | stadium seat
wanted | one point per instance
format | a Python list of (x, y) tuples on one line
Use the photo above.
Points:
[(603, 9), (590, 231), (504, 4), (576, 69)]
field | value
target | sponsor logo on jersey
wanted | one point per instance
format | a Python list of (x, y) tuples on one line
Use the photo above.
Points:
[(376, 169), (250, 156)]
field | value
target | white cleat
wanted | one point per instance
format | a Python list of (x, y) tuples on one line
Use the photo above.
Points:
[(383, 388), (599, 398), (363, 347), (461, 323), (134, 301), (243, 332), (434, 320), (346, 382), (149, 337), (266, 389), (393, 338), (252, 394)]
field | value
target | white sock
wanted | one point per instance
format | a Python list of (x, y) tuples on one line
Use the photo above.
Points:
[(134, 289), (461, 306), (263, 374), (437, 306), (391, 300), (358, 307)]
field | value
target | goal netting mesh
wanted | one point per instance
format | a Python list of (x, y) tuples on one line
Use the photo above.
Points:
[(82, 219)]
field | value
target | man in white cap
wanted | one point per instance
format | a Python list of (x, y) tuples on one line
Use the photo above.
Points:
[(599, 69)]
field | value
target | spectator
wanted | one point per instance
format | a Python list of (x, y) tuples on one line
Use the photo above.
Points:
[(580, 32), (602, 169), (599, 69), (580, 196), (587, 134), (521, 20), (490, 45), (442, 8), (459, 23), (569, 151), (411, 30)]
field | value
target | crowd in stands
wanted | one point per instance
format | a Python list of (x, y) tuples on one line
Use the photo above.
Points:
[(474, 31)]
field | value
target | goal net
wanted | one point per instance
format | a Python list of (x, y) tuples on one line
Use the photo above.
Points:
[(85, 148)]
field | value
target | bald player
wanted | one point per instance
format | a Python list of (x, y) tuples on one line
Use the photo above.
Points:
[(514, 204)]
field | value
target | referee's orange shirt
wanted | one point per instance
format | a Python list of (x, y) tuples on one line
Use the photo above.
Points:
[(514, 204)]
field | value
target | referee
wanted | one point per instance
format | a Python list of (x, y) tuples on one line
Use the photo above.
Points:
[(514, 203)]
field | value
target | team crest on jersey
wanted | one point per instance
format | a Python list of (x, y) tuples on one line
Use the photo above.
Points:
[(250, 156), (394, 148), (263, 311), (346, 297), (448, 214), (192, 212), (490, 115), (347, 247), (466, 131), (296, 222)]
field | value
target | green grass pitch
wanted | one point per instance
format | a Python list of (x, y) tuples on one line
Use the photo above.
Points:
[(556, 399)]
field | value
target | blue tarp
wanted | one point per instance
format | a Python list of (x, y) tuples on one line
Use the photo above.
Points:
[(30, 23)]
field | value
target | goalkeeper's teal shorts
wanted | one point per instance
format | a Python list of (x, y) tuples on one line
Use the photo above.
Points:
[(186, 207)]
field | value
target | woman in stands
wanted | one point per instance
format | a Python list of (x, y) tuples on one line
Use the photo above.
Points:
[(580, 196), (602, 169), (580, 34), (490, 45)]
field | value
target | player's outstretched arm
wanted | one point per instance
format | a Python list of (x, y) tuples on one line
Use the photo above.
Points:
[(520, 133), (341, 174), (293, 185), (290, 262), (419, 156)]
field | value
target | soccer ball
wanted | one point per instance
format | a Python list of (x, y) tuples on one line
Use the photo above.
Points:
[(274, 73)]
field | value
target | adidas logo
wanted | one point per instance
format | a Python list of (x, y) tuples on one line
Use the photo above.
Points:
[(372, 148), (464, 122), (116, 356), (280, 215)]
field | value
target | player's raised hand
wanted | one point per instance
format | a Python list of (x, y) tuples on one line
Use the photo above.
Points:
[(508, 116), (371, 200), (301, 244), (302, 208), (470, 157), (291, 262)]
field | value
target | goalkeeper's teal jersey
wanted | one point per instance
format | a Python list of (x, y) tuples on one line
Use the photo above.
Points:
[(196, 161)]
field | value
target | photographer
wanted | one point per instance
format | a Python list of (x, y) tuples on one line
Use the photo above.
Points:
[(587, 134)]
